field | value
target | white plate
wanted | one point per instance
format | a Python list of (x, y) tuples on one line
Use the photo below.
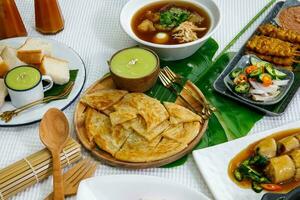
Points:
[(213, 164), (134, 187), (35, 114)]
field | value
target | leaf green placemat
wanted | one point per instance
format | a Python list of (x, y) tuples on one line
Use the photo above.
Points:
[(57, 89)]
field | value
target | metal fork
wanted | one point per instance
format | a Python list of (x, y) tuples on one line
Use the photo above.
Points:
[(168, 84), (8, 115), (175, 78), (84, 169)]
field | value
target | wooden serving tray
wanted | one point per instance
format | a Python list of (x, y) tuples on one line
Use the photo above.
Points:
[(107, 83)]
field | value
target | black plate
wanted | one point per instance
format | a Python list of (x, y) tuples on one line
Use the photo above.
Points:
[(274, 110), (245, 61), (292, 195)]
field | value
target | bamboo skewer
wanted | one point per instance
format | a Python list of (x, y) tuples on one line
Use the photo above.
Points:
[(296, 61), (47, 163), (28, 182), (34, 168), (38, 156), (34, 161)]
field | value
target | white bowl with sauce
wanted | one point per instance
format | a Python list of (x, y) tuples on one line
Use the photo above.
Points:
[(167, 51)]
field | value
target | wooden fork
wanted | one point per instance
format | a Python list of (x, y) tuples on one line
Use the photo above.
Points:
[(168, 84), (82, 170), (175, 78)]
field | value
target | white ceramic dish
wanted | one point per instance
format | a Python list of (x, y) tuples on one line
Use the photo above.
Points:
[(134, 187), (35, 114), (213, 164), (170, 52)]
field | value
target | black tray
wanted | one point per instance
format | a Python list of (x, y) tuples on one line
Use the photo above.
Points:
[(273, 110)]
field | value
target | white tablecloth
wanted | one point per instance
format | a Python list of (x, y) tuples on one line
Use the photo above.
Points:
[(92, 28)]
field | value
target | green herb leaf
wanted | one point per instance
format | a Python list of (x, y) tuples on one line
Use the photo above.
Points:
[(173, 17)]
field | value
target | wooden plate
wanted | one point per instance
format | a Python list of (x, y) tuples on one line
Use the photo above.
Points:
[(107, 83)]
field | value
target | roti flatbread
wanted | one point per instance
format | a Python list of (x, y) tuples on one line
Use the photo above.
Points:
[(179, 114), (152, 111), (166, 148), (93, 121), (108, 110), (139, 126), (183, 133), (137, 148), (99, 129), (103, 99), (121, 116)]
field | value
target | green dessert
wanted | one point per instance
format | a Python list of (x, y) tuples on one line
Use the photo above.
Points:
[(133, 63), (22, 78)]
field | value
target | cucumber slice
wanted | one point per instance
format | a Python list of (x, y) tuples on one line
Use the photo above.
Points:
[(262, 64), (270, 70), (279, 74), (254, 60)]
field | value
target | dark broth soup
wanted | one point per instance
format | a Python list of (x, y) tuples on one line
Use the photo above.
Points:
[(161, 33)]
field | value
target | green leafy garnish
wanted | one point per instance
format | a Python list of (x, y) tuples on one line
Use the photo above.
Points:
[(173, 17)]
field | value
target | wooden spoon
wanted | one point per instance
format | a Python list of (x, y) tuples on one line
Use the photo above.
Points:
[(54, 132)]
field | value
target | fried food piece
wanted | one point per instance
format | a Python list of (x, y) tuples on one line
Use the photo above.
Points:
[(179, 114), (151, 110), (280, 33), (283, 61), (183, 133), (271, 46), (137, 148), (103, 99)]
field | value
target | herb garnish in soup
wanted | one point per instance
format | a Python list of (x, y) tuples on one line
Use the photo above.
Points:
[(170, 23)]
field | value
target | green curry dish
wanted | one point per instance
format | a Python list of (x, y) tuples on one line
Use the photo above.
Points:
[(173, 17)]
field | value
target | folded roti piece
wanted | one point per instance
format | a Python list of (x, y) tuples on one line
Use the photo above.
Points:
[(103, 99), (179, 114), (152, 111), (139, 125), (121, 116), (108, 110), (183, 132), (149, 108), (166, 148), (94, 122), (99, 128), (120, 135), (137, 148), (128, 102)]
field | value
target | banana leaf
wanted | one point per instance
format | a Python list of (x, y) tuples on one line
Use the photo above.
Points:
[(57, 89), (232, 120)]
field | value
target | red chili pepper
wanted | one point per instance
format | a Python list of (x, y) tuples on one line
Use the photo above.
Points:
[(271, 187)]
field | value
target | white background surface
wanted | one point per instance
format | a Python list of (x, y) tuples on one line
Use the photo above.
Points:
[(92, 29)]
